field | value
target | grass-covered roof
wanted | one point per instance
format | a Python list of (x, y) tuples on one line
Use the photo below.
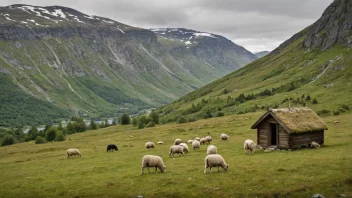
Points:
[(296, 120)]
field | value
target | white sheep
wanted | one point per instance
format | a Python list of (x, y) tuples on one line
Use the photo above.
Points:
[(197, 138), (213, 161), (149, 145), (73, 151), (160, 142), (177, 141), (153, 161), (211, 149), (249, 145), (314, 145), (176, 149), (189, 141), (209, 139), (203, 140), (224, 136), (195, 144), (185, 147)]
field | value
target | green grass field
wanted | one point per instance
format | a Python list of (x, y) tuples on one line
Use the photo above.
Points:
[(29, 170)]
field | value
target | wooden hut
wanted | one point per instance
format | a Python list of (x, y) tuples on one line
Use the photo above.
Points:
[(289, 128)]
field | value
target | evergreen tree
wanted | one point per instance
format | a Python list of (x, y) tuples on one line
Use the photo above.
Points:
[(92, 125), (125, 119)]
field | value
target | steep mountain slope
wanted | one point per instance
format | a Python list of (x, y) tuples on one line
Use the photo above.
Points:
[(313, 67), (92, 65), (261, 54)]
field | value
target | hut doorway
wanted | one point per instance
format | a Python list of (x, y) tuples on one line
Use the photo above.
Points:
[(273, 139)]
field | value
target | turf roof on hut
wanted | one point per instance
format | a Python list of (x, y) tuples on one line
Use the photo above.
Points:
[(295, 120)]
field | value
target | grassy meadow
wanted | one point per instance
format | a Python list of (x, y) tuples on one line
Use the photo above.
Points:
[(30, 170)]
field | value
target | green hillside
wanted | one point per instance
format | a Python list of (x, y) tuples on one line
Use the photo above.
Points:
[(42, 170), (301, 72)]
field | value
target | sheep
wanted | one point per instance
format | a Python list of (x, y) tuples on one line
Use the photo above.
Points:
[(211, 149), (160, 142), (153, 161), (176, 149), (224, 136), (189, 141), (177, 141), (111, 147), (185, 147), (250, 145), (213, 161), (314, 145), (197, 138), (203, 140), (195, 144), (73, 151), (209, 139), (149, 145)]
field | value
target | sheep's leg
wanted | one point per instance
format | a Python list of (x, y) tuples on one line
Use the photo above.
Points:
[(142, 170), (211, 169), (218, 169), (156, 169)]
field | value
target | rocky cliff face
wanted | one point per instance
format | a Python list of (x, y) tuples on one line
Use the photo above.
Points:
[(333, 27), (97, 66)]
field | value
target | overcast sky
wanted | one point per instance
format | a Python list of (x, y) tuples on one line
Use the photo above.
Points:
[(257, 25)]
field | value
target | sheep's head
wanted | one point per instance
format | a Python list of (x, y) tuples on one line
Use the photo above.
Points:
[(226, 167)]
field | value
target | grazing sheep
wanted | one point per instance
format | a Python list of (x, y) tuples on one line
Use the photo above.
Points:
[(211, 150), (177, 141), (111, 147), (314, 145), (160, 142), (149, 145), (213, 161), (153, 161), (203, 140), (197, 138), (189, 141), (185, 147), (249, 145), (73, 151), (195, 144), (209, 139), (224, 136), (176, 149)]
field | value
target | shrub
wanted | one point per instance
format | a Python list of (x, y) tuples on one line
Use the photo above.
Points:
[(336, 113), (39, 140), (154, 116), (181, 120), (207, 115), (151, 124), (92, 125), (141, 125), (60, 136), (225, 91), (50, 134), (324, 112), (315, 101), (220, 114), (7, 140), (125, 119), (345, 107)]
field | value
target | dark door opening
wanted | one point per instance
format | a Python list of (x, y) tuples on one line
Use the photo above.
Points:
[(273, 133)]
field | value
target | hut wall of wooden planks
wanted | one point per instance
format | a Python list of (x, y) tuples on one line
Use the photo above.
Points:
[(289, 128)]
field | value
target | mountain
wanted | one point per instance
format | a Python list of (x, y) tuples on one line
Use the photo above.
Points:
[(261, 54), (313, 68), (73, 63)]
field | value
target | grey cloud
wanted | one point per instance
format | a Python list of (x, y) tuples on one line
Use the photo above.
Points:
[(245, 21)]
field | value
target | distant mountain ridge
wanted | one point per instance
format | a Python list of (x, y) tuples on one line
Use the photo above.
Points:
[(261, 54), (313, 68), (97, 67)]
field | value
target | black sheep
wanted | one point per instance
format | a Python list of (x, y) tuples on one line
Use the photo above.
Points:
[(111, 147)]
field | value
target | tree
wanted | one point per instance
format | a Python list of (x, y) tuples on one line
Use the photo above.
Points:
[(106, 123), (70, 128), (308, 98), (47, 127), (33, 133), (92, 125), (50, 134), (125, 119), (315, 101), (154, 117), (7, 140), (39, 140), (134, 121), (60, 136)]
